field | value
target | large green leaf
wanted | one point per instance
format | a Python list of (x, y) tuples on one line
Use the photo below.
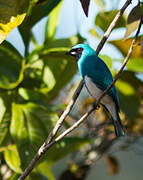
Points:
[(11, 66), (30, 126), (108, 17), (52, 69), (37, 13), (12, 13), (58, 71)]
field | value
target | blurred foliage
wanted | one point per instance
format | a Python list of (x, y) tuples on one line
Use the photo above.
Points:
[(31, 87)]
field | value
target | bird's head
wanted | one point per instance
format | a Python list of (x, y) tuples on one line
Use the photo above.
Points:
[(80, 50)]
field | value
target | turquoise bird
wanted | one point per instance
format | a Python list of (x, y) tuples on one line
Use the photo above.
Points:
[(97, 77)]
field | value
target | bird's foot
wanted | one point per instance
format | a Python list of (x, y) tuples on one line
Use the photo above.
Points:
[(95, 106)]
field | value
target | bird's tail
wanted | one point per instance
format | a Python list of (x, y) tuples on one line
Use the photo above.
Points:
[(118, 126)]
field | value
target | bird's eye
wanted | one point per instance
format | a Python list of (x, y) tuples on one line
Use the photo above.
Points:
[(79, 49)]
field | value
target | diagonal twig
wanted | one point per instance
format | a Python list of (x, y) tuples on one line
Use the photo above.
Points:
[(50, 142)]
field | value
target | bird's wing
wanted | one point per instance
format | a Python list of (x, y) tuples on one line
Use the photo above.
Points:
[(101, 76)]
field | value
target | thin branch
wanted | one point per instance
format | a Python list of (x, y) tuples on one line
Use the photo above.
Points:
[(112, 25), (50, 142)]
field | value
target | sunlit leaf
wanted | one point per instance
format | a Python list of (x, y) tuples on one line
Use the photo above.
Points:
[(32, 95), (11, 66), (2, 108), (135, 64), (42, 72), (12, 158), (108, 61), (30, 126), (52, 23), (45, 170), (85, 6), (125, 88), (53, 79), (128, 93), (94, 33), (133, 20), (108, 17), (12, 13), (124, 45)]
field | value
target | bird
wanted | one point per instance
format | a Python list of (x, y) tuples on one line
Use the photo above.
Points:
[(97, 77)]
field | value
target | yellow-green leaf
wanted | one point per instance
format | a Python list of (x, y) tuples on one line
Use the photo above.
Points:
[(133, 20), (12, 158), (12, 13), (52, 22), (124, 45)]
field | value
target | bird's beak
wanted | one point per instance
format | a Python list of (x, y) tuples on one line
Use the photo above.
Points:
[(71, 52)]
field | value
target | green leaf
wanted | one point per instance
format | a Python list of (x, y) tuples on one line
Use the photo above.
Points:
[(108, 17), (2, 109), (41, 75), (12, 13), (136, 65), (45, 170), (94, 33), (124, 45), (30, 95), (45, 70), (133, 20), (66, 146), (5, 104), (52, 23), (128, 87), (125, 88), (64, 43), (108, 61), (11, 66), (12, 158), (53, 79), (33, 17), (30, 126), (4, 127)]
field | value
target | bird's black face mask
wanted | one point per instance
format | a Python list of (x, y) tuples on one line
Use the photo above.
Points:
[(76, 53)]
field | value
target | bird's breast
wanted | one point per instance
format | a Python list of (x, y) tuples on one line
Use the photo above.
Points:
[(96, 92)]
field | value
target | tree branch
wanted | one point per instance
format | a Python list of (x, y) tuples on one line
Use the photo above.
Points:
[(50, 142)]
